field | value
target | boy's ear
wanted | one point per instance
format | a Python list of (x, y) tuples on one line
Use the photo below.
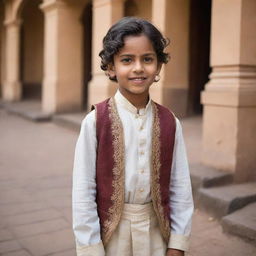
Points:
[(111, 70)]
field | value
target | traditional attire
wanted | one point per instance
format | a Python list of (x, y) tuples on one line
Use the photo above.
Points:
[(124, 203)]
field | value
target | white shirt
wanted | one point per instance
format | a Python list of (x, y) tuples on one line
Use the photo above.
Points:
[(137, 126)]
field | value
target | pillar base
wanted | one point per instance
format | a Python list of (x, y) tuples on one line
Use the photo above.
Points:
[(12, 91), (229, 124), (58, 97)]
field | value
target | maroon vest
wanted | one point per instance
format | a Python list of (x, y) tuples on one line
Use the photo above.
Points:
[(110, 166)]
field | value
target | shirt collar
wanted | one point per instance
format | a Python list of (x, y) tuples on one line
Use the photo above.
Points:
[(121, 100)]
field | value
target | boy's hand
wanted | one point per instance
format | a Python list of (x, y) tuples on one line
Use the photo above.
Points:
[(174, 252)]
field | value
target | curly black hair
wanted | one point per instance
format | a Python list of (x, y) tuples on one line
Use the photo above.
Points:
[(114, 40)]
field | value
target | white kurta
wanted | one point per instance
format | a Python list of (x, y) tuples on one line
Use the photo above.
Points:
[(137, 127)]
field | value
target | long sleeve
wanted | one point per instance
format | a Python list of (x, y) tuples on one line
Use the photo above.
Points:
[(85, 218), (181, 201)]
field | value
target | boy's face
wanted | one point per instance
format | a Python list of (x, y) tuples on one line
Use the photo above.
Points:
[(135, 66)]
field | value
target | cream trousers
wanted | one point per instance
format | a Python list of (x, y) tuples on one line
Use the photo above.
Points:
[(137, 234)]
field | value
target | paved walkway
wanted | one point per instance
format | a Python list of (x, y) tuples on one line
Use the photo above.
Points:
[(35, 193)]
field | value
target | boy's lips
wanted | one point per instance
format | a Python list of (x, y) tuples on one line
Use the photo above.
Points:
[(137, 78)]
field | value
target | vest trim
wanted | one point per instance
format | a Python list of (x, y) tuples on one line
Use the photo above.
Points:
[(164, 223), (118, 196)]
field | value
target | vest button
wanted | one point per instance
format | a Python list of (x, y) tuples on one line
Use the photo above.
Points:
[(141, 190), (142, 142)]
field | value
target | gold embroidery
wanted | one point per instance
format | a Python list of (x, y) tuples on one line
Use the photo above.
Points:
[(155, 176), (117, 198)]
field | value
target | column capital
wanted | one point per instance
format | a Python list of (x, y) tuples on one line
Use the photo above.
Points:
[(232, 86), (232, 78), (49, 5), (13, 22)]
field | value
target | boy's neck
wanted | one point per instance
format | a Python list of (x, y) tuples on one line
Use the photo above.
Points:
[(138, 101)]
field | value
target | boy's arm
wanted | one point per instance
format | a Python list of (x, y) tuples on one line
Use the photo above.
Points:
[(85, 218), (181, 201)]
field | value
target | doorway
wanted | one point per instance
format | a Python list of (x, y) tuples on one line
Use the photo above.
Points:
[(199, 64)]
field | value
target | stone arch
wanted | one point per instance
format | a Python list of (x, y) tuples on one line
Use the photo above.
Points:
[(13, 9), (17, 8)]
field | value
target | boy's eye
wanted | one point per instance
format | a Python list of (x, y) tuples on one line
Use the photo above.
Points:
[(148, 59), (126, 60)]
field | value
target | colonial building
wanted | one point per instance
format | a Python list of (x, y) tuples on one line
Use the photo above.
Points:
[(49, 52)]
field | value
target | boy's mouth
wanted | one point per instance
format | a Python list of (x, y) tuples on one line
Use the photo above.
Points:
[(137, 78)]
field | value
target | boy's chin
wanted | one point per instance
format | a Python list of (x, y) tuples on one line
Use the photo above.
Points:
[(140, 91)]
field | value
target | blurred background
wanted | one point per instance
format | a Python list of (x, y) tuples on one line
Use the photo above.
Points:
[(50, 76)]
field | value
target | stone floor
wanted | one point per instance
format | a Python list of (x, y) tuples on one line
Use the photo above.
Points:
[(35, 193)]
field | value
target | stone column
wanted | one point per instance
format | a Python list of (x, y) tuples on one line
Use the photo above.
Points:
[(159, 16), (12, 88), (229, 99), (112, 10), (62, 82), (172, 18)]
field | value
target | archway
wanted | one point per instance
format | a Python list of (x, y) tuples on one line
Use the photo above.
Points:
[(199, 69), (31, 49)]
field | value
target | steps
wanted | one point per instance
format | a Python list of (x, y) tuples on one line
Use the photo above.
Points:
[(28, 109), (204, 176), (220, 201), (234, 205), (242, 223)]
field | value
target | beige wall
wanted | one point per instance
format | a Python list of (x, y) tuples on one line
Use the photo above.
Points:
[(32, 62)]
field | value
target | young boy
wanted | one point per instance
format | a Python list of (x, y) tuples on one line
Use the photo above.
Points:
[(131, 184)]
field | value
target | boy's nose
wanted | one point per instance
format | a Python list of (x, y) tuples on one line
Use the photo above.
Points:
[(138, 67)]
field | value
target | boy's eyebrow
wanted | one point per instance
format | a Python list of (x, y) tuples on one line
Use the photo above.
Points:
[(131, 55)]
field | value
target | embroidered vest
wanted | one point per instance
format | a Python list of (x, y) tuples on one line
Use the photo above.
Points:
[(110, 166)]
